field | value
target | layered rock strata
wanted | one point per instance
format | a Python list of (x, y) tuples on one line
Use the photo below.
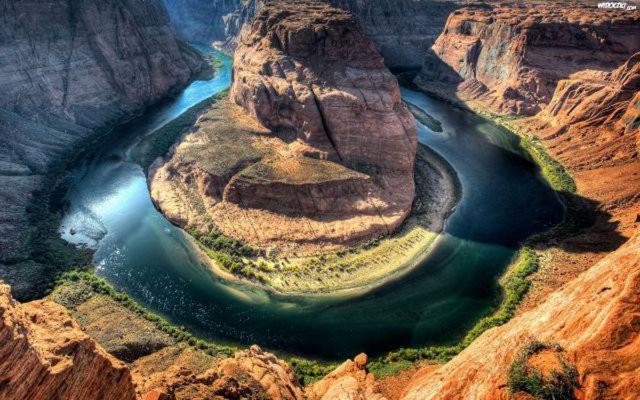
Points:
[(330, 163), (600, 335), (403, 30), (509, 59), (45, 355), (69, 68)]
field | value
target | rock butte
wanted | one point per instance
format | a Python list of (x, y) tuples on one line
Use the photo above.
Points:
[(589, 122), (334, 166)]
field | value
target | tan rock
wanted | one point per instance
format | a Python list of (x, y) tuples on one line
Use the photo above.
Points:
[(45, 355), (330, 163), (509, 58), (350, 381)]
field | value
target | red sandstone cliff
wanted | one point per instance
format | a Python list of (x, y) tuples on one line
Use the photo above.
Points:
[(334, 166), (45, 355), (594, 318), (509, 58), (589, 122)]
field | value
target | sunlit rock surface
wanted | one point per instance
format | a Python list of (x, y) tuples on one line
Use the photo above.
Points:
[(330, 163), (509, 58)]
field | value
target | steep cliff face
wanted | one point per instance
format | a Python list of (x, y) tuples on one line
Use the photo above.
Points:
[(403, 30), (600, 336), (600, 107), (204, 21), (45, 355), (509, 59), (334, 166), (68, 68)]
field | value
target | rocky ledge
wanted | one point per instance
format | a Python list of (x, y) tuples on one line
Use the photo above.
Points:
[(320, 153), (509, 58)]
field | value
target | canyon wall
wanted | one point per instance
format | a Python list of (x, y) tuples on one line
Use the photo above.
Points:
[(600, 336), (577, 72), (403, 30), (45, 355), (69, 68), (204, 21), (509, 59), (334, 166)]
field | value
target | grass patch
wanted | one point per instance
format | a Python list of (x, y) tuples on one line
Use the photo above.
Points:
[(381, 369), (94, 284), (556, 385), (234, 255), (159, 143), (554, 173)]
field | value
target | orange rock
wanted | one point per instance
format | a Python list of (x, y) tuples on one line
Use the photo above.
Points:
[(509, 58), (350, 381), (45, 355), (594, 318)]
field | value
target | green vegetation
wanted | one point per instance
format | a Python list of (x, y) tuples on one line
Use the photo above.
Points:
[(556, 385), (232, 254), (159, 143), (515, 286), (310, 371), (95, 285), (381, 369), (555, 174)]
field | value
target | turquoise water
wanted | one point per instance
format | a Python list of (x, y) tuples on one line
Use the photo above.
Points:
[(140, 252)]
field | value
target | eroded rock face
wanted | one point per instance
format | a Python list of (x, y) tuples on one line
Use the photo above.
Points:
[(592, 127), (330, 163), (204, 21), (509, 59), (68, 68), (350, 381), (403, 30), (45, 355), (251, 374), (600, 335)]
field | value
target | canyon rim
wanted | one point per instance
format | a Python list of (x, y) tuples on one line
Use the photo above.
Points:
[(319, 182)]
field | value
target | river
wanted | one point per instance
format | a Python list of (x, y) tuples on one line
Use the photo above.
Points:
[(504, 200)]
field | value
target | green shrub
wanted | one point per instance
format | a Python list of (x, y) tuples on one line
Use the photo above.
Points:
[(100, 286), (559, 385)]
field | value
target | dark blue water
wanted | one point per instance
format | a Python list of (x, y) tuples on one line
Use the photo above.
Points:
[(504, 201)]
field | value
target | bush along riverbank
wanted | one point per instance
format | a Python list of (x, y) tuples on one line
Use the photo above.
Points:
[(515, 283)]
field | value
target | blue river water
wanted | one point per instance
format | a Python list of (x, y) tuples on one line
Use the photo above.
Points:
[(504, 200)]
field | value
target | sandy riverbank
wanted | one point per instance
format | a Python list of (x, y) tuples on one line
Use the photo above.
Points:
[(371, 265)]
